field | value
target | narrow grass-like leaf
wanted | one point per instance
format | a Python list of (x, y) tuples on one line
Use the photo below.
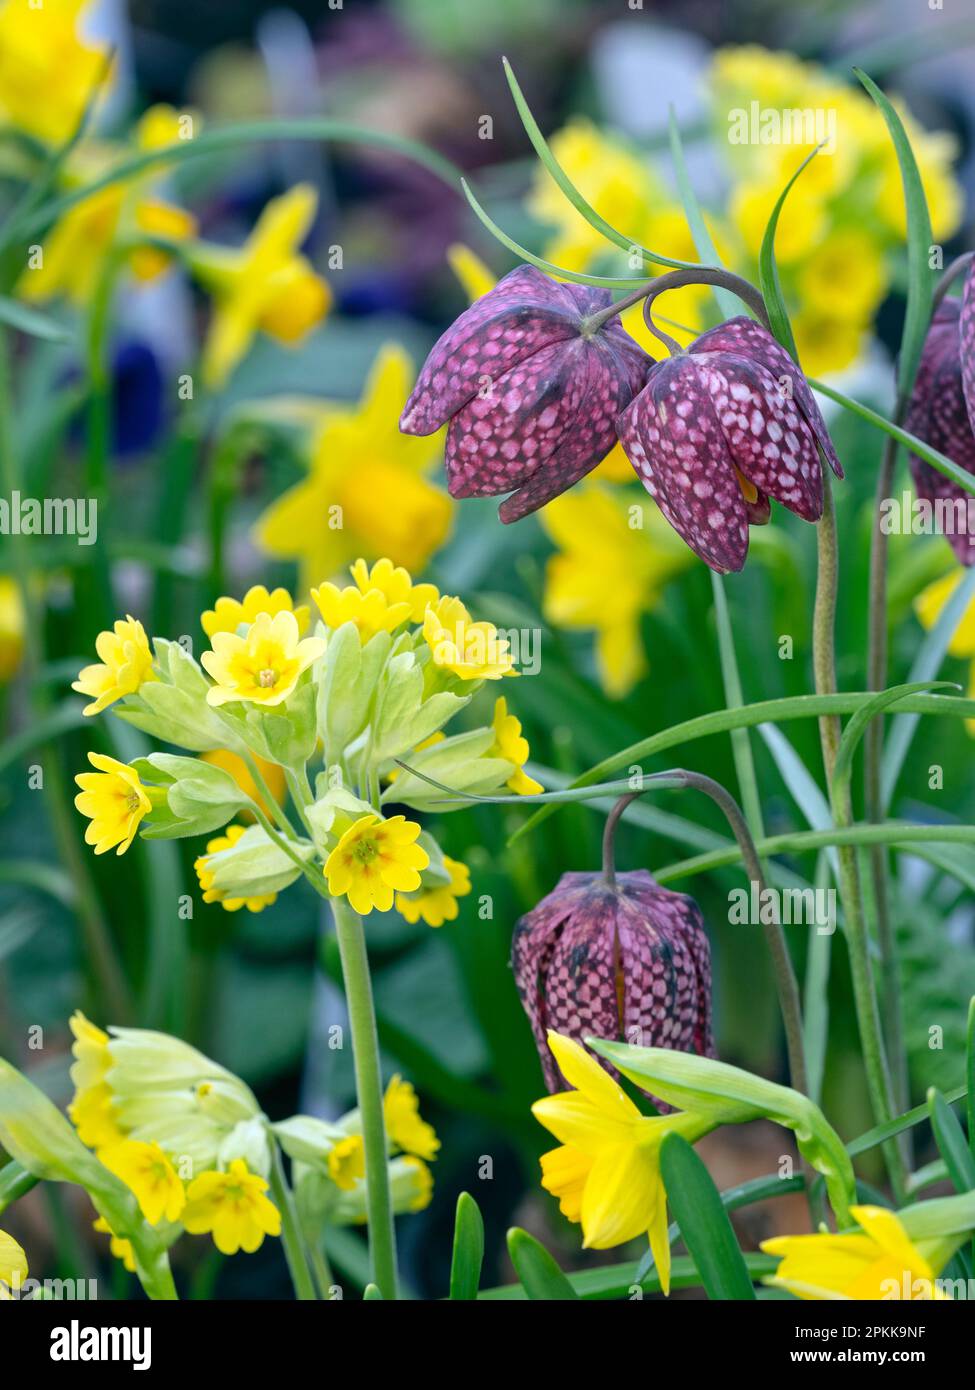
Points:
[(29, 321), (881, 1133), (465, 1266), (727, 302), (372, 1294), (815, 999), (620, 1281), (952, 1145), (970, 1076), (703, 1221), (768, 271), (540, 1276), (857, 726)]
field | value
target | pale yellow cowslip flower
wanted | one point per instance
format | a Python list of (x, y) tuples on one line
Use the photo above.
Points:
[(437, 904), (114, 800), (91, 1110), (878, 1262), (228, 614), (13, 1265), (509, 743), (205, 874), (263, 666), (347, 1162), (232, 1207), (467, 649), (12, 627), (119, 1246), (149, 1174), (126, 662), (395, 584), (367, 493), (49, 72), (370, 611), (405, 1127), (374, 860)]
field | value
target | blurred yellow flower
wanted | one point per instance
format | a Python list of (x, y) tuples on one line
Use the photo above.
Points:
[(873, 1263), (233, 1207), (475, 277), (272, 773), (204, 873), (801, 222), (262, 666), (48, 71), (369, 609), (347, 1162), (509, 743), (438, 904), (13, 1265), (358, 455), (405, 1128), (12, 625), (844, 269), (120, 1248), (375, 859), (929, 605), (126, 661), (472, 651), (114, 800), (266, 285), (827, 342), (146, 1170), (91, 1109), (614, 557), (228, 614)]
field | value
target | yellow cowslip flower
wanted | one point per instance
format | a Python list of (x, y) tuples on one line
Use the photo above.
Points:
[(375, 859), (411, 1183), (844, 275), (91, 1110), (347, 1162), (48, 72), (115, 802), (233, 1208), (119, 1246), (614, 558), (272, 773), (146, 1170), (606, 1175), (370, 612), (13, 1265), (262, 666), (229, 614), (878, 1262), (357, 456), (472, 651), (395, 584), (405, 1128), (204, 873), (928, 606), (438, 904), (475, 277), (264, 286), (12, 625), (801, 222), (126, 661), (509, 743), (827, 342)]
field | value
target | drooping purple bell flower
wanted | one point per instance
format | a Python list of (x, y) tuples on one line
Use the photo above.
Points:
[(625, 960), (532, 401), (938, 414), (720, 429)]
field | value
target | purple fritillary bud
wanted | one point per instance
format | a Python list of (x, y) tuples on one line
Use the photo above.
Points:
[(966, 334), (714, 434), (629, 962), (531, 402), (937, 414)]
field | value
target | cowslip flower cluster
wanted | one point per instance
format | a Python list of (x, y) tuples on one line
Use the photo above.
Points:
[(346, 712)]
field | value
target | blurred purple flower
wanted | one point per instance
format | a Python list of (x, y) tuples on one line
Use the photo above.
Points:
[(532, 403)]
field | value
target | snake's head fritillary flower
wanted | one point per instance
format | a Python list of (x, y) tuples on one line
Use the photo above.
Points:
[(626, 960), (530, 398), (720, 429), (938, 413)]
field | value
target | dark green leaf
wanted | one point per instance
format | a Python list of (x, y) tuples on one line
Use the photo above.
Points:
[(703, 1221), (540, 1276), (465, 1267), (950, 1139)]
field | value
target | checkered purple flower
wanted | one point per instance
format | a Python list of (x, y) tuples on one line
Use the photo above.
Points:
[(938, 414), (626, 961), (720, 429), (531, 401)]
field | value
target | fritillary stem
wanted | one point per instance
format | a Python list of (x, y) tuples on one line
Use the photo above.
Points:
[(748, 293)]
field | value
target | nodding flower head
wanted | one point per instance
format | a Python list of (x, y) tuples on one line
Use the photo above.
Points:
[(621, 960), (720, 429), (942, 408), (531, 396)]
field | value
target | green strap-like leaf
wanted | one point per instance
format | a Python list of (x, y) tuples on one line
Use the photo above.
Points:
[(465, 1267), (26, 320), (540, 1276), (881, 1133), (371, 1294), (857, 726), (768, 271), (703, 1221), (706, 249), (952, 1145)]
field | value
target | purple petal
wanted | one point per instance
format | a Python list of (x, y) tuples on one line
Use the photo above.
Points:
[(966, 344)]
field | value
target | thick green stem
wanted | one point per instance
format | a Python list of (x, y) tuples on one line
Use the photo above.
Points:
[(294, 1250), (368, 1079)]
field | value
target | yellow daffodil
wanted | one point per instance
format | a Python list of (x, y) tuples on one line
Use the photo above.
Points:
[(405, 1128), (472, 651), (271, 773), (48, 71), (509, 744), (347, 1162), (13, 1265), (438, 904), (606, 1175), (91, 1110), (12, 625), (370, 612), (126, 661), (146, 1170), (367, 492), (114, 800), (217, 895), (879, 1261), (929, 605), (375, 859), (266, 285), (262, 666), (395, 585), (614, 558), (233, 1207), (120, 1248), (229, 614)]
